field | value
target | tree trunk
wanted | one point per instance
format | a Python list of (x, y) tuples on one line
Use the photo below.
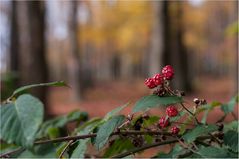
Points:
[(155, 57), (32, 60), (175, 52), (73, 63), (14, 41)]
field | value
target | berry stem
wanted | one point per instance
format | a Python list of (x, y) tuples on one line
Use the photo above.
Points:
[(195, 118)]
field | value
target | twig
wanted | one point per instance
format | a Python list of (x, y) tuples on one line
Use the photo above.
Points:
[(65, 148), (215, 139), (7, 154), (198, 123), (135, 150), (68, 138)]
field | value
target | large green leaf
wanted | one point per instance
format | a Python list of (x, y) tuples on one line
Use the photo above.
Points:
[(152, 101), (229, 107), (60, 122), (231, 126), (118, 146), (177, 149), (213, 152), (40, 151), (231, 140), (24, 88), (199, 130), (106, 129), (21, 120)]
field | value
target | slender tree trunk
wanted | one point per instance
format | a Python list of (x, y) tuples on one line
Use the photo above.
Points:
[(155, 57), (14, 43), (73, 62), (32, 60), (175, 52)]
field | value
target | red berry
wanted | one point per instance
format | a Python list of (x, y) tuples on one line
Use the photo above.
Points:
[(171, 111), (150, 83), (163, 122), (175, 130), (158, 79), (168, 72)]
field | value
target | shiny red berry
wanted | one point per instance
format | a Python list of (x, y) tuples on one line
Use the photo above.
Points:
[(168, 72), (163, 122), (150, 83), (175, 130), (171, 111), (158, 79)]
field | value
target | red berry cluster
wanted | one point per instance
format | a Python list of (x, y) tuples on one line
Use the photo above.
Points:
[(158, 79), (171, 111)]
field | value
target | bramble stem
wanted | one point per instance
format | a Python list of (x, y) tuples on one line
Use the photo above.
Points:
[(196, 120), (68, 138), (7, 154)]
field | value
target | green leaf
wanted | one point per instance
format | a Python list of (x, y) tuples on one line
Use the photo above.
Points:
[(231, 140), (106, 129), (150, 121), (79, 151), (231, 126), (24, 88), (60, 122), (114, 112), (118, 146), (199, 130), (229, 107), (172, 154), (152, 101), (21, 120), (40, 151), (213, 152)]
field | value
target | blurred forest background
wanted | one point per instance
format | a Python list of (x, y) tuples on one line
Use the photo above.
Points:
[(105, 49)]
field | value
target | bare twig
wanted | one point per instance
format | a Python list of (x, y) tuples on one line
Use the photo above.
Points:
[(68, 138)]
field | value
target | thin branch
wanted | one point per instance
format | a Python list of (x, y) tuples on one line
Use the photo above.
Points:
[(198, 123), (138, 149), (196, 120), (7, 154), (68, 138), (65, 148)]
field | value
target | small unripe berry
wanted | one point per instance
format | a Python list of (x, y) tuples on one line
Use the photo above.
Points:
[(158, 79), (163, 122), (196, 101), (168, 72), (150, 83), (175, 130), (171, 111)]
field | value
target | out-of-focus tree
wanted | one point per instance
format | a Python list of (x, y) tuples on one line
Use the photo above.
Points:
[(175, 52), (157, 37), (32, 61), (14, 39), (73, 61)]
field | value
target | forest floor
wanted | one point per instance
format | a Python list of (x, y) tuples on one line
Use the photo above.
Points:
[(103, 98)]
